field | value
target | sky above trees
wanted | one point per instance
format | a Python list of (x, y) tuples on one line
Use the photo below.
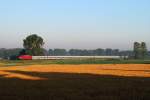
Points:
[(81, 24)]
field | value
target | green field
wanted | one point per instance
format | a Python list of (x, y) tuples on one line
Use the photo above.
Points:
[(70, 61)]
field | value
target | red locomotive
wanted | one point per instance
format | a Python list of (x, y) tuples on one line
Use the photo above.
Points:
[(25, 57)]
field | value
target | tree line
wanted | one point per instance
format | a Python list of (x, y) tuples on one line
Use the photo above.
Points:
[(33, 45), (10, 53), (85, 52)]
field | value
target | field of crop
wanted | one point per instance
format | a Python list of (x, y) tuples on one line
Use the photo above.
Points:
[(74, 81)]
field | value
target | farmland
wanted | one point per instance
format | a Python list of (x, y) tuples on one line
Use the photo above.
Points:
[(73, 80), (70, 61)]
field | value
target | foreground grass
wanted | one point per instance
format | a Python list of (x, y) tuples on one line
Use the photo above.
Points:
[(65, 84), (62, 86), (70, 61)]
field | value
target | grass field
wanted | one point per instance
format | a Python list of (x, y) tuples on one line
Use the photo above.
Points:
[(37, 81), (70, 61)]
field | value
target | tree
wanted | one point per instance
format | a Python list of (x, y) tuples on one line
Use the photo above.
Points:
[(136, 50), (143, 50), (115, 52), (9, 53), (99, 52), (75, 52), (22, 52), (60, 52), (84, 52), (140, 50), (50, 52), (33, 45), (108, 51)]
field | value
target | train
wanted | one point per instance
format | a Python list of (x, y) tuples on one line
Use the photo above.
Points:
[(29, 57)]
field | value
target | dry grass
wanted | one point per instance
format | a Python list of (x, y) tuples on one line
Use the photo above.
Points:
[(136, 70)]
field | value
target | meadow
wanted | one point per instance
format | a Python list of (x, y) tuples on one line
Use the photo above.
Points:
[(71, 61), (83, 79)]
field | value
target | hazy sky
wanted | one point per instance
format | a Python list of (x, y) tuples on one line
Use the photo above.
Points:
[(69, 24)]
